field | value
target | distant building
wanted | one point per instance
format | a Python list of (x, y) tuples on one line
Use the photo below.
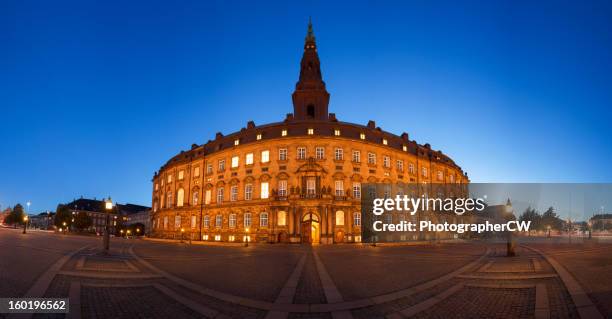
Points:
[(3, 214), (601, 221), (95, 209), (43, 220)]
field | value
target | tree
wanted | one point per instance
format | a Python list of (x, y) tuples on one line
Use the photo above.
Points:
[(82, 221), (16, 215), (550, 218), (532, 215), (62, 215)]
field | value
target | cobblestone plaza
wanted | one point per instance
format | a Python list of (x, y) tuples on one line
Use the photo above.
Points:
[(549, 278)]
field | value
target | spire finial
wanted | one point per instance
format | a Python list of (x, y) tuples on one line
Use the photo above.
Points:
[(310, 35)]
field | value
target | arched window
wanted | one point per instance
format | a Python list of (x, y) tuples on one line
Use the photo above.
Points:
[(357, 218), (195, 197), (169, 200), (263, 219), (180, 197), (340, 218), (218, 221), (282, 218)]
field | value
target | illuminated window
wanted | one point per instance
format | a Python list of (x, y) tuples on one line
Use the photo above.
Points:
[(340, 218), (193, 221), (357, 218), (207, 197), (165, 222), (196, 171), (234, 193), (282, 188), (249, 159), (400, 165), (265, 156), (311, 186), (405, 148), (282, 218), (156, 186), (204, 237), (217, 237), (424, 171), (356, 190), (231, 238), (169, 200), (440, 175), (169, 178), (411, 168), (221, 165), (177, 221), (235, 160), (195, 197), (339, 154), (180, 197), (320, 152), (259, 136), (339, 188), (337, 132), (236, 142), (263, 219), (232, 221), (386, 161), (209, 168), (310, 131), (220, 195), (384, 141), (452, 178), (181, 175), (371, 158), (282, 154), (248, 191), (247, 220), (264, 190), (284, 133), (301, 153), (362, 136)]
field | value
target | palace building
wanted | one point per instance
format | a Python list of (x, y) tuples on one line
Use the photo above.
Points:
[(295, 181)]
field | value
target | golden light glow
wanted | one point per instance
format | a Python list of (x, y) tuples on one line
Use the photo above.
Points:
[(25, 218)]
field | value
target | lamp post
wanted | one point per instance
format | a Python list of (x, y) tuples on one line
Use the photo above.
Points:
[(182, 233), (108, 206), (65, 228), (128, 233), (510, 245), (246, 241), (25, 223), (548, 227)]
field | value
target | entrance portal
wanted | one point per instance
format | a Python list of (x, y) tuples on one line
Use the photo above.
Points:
[(311, 229)]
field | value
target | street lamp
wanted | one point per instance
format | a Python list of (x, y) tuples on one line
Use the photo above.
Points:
[(65, 228), (128, 233), (108, 207), (246, 242), (25, 223), (510, 245), (182, 233), (548, 227)]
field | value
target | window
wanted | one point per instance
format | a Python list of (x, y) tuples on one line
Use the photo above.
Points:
[(221, 165), (248, 191), (362, 136), (340, 218), (310, 131), (195, 197), (169, 178), (181, 175), (356, 156), (207, 197), (301, 153), (337, 132), (236, 142), (384, 141), (204, 237), (339, 188), (310, 186), (249, 159), (320, 153), (400, 165), (162, 182), (218, 221), (282, 154), (169, 200), (259, 136), (264, 190), (156, 186), (282, 218), (231, 238), (282, 188), (247, 220), (155, 206), (386, 161), (440, 175), (220, 195), (265, 156), (356, 190), (371, 158), (357, 218), (196, 171), (165, 222), (193, 221), (206, 221), (339, 154), (234, 193), (452, 178), (424, 171), (180, 197), (177, 221), (209, 168), (263, 219), (235, 160), (232, 221), (217, 237), (411, 168), (284, 133), (404, 148)]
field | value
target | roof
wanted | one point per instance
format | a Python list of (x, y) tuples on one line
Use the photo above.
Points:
[(94, 205)]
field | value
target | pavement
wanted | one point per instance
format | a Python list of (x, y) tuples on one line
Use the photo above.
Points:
[(153, 279)]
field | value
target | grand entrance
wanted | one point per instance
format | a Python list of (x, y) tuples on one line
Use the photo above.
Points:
[(311, 229)]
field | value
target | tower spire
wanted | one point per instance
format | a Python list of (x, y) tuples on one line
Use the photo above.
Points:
[(310, 98)]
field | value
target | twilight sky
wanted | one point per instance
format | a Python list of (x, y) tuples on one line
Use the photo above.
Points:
[(96, 95)]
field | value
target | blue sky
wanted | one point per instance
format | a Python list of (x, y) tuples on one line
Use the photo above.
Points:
[(96, 95)]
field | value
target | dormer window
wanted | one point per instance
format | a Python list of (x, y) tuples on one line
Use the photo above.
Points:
[(384, 141), (236, 142), (310, 131), (337, 132), (284, 133), (259, 136), (362, 136)]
